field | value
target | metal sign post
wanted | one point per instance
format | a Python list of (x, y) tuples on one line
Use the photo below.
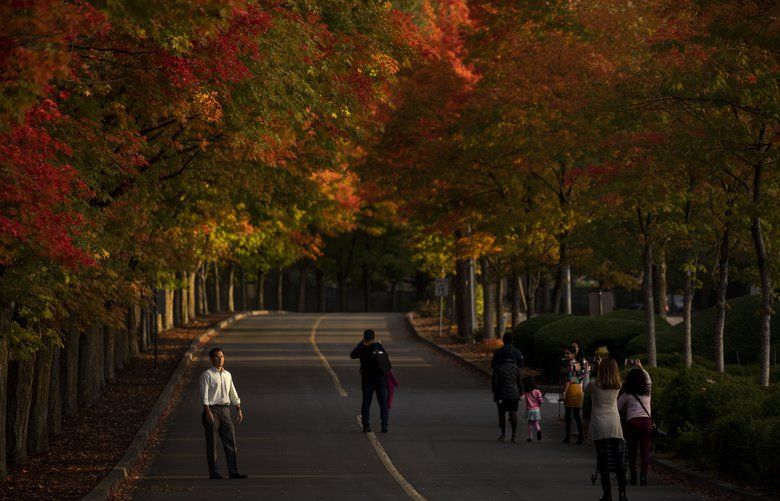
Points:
[(442, 286)]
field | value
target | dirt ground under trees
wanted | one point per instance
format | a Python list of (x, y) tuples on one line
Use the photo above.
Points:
[(91, 443)]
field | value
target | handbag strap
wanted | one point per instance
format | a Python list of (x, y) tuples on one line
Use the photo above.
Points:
[(643, 405)]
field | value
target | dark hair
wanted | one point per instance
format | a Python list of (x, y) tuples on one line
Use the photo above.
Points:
[(507, 337), (567, 348), (368, 335), (579, 354), (529, 384), (214, 351), (636, 383)]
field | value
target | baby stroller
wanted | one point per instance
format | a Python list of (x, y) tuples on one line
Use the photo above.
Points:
[(613, 460)]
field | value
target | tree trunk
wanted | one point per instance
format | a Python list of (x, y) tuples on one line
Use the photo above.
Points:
[(514, 287), (144, 339), (169, 312), (533, 287), (663, 298), (366, 289), (20, 383), (545, 293), (260, 293), (689, 286), (217, 290), (121, 348), (462, 311), (394, 295), (203, 296), (91, 373), (231, 290), (6, 312), (560, 278), (488, 300), (720, 297), (191, 296), (302, 274), (342, 280), (320, 279), (133, 330), (70, 394), (178, 294), (109, 350), (647, 290), (38, 435), (280, 289), (55, 393), (762, 262), (500, 326), (241, 289)]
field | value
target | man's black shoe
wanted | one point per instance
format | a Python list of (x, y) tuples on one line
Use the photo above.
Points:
[(384, 429), (237, 475), (366, 429), (215, 476)]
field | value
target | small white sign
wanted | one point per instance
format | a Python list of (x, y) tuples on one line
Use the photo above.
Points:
[(442, 287)]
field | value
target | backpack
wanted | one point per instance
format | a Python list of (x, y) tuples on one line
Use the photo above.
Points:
[(381, 360)]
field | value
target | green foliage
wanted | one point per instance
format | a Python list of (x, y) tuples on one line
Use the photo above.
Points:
[(638, 316), (741, 333), (523, 335), (592, 332), (667, 342)]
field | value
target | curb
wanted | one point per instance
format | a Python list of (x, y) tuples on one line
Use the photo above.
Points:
[(725, 489), (451, 354), (665, 466), (121, 470)]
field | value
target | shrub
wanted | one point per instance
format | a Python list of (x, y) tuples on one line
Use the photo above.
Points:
[(667, 341), (523, 334), (740, 332), (638, 316), (592, 332), (738, 446)]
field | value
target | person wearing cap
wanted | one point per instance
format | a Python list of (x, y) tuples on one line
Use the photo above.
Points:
[(373, 380)]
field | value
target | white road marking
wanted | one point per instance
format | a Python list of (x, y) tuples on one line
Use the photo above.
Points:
[(324, 360), (390, 467)]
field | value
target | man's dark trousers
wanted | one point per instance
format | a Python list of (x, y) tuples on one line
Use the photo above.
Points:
[(374, 384), (224, 426)]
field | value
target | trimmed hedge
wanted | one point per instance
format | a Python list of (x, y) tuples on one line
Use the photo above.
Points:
[(524, 333), (592, 332), (638, 316), (666, 341), (741, 332), (720, 421)]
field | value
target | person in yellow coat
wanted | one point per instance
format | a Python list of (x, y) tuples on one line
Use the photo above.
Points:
[(576, 370)]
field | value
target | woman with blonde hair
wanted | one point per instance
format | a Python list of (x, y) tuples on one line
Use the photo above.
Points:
[(605, 429)]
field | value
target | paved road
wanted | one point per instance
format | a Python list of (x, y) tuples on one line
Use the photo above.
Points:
[(301, 438)]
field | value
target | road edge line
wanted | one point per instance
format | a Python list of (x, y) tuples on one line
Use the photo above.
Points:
[(389, 466), (124, 466), (313, 341)]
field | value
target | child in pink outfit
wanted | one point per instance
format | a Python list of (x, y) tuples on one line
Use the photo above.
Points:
[(533, 403)]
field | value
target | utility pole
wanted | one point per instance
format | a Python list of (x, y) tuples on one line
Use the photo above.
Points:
[(568, 289)]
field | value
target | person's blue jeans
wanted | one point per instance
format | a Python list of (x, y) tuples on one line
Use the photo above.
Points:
[(371, 385)]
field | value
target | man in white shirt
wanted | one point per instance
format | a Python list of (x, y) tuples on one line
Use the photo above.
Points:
[(218, 393)]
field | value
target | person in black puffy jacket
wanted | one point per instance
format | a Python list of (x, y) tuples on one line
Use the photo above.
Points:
[(507, 362)]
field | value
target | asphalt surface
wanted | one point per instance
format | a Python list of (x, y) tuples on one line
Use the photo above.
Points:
[(301, 439)]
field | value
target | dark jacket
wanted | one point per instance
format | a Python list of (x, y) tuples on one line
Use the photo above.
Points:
[(368, 367), (506, 365)]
